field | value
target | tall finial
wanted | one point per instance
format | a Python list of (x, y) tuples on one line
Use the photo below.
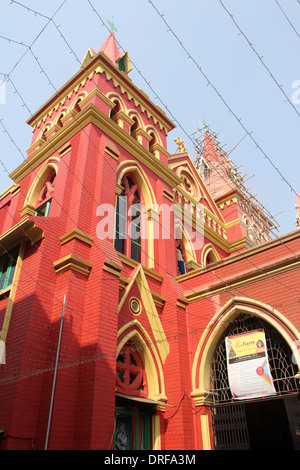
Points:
[(181, 147), (112, 26)]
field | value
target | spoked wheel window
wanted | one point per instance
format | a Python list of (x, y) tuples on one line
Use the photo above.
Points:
[(131, 378)]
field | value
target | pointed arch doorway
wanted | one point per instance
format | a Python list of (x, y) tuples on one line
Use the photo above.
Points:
[(264, 423)]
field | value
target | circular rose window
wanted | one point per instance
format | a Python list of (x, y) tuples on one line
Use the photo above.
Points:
[(135, 305)]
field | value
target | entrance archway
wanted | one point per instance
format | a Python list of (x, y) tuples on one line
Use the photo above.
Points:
[(265, 423)]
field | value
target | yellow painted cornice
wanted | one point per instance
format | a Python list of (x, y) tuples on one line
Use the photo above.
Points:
[(26, 229), (123, 116), (233, 223), (160, 148), (74, 263), (239, 256), (252, 275), (100, 94), (76, 234), (133, 264), (141, 132), (240, 281), (113, 268), (226, 198), (13, 190)]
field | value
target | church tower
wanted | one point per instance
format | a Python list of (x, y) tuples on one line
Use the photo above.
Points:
[(245, 214)]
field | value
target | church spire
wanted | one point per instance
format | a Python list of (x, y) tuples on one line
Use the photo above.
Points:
[(111, 49)]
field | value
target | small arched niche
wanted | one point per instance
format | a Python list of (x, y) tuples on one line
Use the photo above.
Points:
[(39, 197)]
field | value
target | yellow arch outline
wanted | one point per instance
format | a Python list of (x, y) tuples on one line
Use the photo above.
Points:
[(133, 114), (155, 376), (218, 324), (112, 95), (79, 97), (39, 180), (209, 249), (150, 129)]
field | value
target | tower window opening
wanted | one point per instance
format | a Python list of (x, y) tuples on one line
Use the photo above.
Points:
[(45, 197), (128, 224), (115, 109), (7, 267)]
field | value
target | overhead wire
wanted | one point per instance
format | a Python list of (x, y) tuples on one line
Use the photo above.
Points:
[(239, 120), (260, 58), (287, 18)]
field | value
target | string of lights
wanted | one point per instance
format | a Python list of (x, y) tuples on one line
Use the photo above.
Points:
[(209, 82), (260, 58), (287, 18)]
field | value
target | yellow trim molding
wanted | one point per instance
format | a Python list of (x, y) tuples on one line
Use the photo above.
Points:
[(135, 332), (12, 293), (112, 267), (24, 230), (72, 262), (206, 445), (76, 234), (138, 277), (13, 190)]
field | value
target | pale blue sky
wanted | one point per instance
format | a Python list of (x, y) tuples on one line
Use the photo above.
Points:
[(236, 75)]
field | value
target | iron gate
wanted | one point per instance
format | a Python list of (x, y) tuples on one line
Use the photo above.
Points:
[(292, 406), (230, 428)]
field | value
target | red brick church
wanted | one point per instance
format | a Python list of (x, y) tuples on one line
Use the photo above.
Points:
[(144, 301)]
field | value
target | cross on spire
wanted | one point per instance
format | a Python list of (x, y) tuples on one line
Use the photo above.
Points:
[(112, 26)]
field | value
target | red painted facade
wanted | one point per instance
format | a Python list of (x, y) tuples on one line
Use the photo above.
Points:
[(132, 327)]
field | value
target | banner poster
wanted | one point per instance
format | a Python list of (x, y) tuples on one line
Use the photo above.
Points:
[(248, 366)]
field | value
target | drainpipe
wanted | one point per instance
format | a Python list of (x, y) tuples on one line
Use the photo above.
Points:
[(55, 373)]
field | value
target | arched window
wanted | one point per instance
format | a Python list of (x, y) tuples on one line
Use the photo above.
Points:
[(45, 196), (153, 139), (44, 131), (134, 126), (209, 255), (131, 376), (128, 224), (208, 259), (115, 109), (59, 120)]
